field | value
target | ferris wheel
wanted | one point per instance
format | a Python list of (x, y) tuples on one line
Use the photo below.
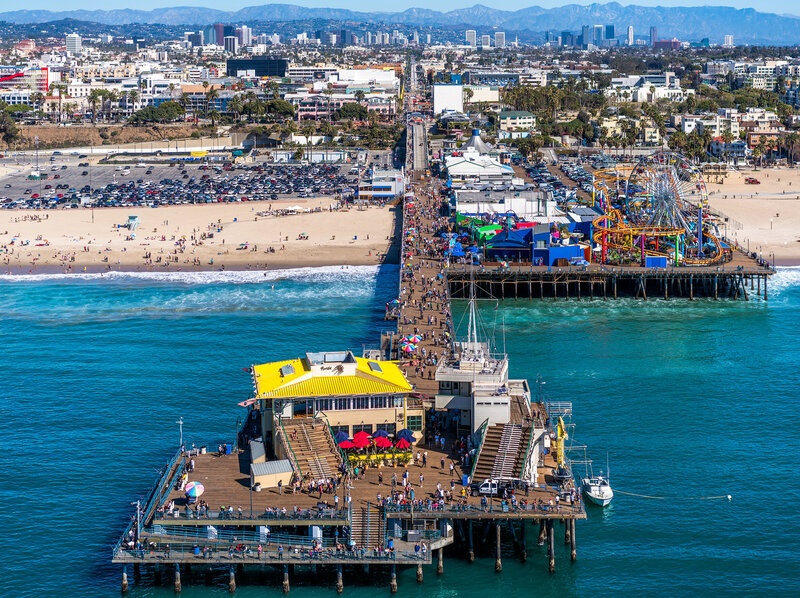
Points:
[(665, 190)]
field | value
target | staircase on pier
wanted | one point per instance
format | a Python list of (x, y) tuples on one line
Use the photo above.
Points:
[(313, 447), (367, 528), (503, 452)]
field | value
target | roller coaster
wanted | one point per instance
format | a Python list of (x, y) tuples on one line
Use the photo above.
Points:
[(656, 208)]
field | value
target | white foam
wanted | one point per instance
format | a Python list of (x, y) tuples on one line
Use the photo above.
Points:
[(321, 273), (785, 278)]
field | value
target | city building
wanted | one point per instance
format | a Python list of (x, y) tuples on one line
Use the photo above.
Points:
[(511, 120), (448, 98), (728, 41), (486, 41), (653, 36), (231, 44), (383, 184), (630, 35), (500, 39), (471, 38), (256, 67), (73, 43)]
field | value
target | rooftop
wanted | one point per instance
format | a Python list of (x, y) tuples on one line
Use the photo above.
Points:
[(328, 374)]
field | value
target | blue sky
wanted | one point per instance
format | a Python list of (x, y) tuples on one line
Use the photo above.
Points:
[(777, 6)]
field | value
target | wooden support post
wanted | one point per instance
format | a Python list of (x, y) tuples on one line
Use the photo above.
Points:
[(744, 288), (339, 583), (440, 563), (177, 578), (644, 291), (542, 532), (765, 287), (555, 289), (573, 555), (759, 284), (470, 548), (716, 283), (567, 531), (393, 580), (523, 542), (419, 573), (691, 287), (124, 579), (231, 580), (615, 286), (551, 548), (498, 563), (286, 579), (541, 289)]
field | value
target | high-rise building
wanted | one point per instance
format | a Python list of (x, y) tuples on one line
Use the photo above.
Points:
[(196, 39), (344, 38), (597, 35), (428, 38), (586, 35), (630, 35), (486, 41), (247, 35), (653, 36), (567, 38), (500, 39), (219, 33), (728, 43), (210, 35), (610, 33), (73, 43), (231, 44), (472, 37)]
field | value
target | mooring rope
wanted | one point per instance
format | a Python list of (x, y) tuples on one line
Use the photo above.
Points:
[(728, 496)]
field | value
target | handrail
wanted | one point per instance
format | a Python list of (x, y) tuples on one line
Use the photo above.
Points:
[(289, 444), (527, 450), (345, 462), (484, 427), (501, 506), (276, 515), (167, 481)]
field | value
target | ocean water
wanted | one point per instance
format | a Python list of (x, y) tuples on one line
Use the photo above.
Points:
[(687, 399)]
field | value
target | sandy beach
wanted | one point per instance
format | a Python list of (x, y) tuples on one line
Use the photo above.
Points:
[(765, 217), (195, 237)]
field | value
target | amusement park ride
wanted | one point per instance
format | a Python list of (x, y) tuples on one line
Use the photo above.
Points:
[(656, 208)]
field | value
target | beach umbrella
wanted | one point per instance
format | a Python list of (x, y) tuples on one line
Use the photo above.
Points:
[(394, 302), (380, 434), (408, 347), (360, 442), (347, 444), (194, 489), (457, 253), (361, 434), (341, 436), (415, 338), (403, 444), (381, 442), (407, 434)]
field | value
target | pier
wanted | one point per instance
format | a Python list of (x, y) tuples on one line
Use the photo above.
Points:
[(341, 516)]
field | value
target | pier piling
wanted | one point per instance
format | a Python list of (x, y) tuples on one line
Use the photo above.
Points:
[(471, 549), (440, 563), (393, 581), (419, 573), (567, 532), (542, 532), (124, 578), (339, 582), (286, 579), (573, 555), (551, 552), (231, 580), (177, 578), (498, 563), (523, 542)]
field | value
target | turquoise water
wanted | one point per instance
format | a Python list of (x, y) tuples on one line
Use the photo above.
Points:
[(688, 399)]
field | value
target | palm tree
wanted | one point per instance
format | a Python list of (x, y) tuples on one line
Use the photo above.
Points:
[(359, 95), (133, 95), (94, 97), (211, 95), (308, 131), (235, 106), (213, 115)]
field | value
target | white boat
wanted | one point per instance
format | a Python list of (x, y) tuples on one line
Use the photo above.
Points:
[(597, 489)]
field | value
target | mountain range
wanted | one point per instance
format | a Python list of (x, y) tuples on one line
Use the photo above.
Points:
[(748, 26)]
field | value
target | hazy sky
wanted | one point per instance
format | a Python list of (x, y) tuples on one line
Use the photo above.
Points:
[(778, 6)]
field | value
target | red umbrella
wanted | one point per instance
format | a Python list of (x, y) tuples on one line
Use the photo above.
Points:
[(382, 442), (360, 441), (403, 444), (361, 434), (347, 444)]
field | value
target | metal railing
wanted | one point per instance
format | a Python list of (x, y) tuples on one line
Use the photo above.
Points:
[(236, 515), (484, 427), (285, 438), (166, 481), (494, 506)]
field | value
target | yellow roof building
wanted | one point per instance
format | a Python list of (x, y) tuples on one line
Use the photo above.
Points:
[(331, 374)]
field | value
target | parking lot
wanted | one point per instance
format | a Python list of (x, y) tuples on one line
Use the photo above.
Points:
[(74, 180)]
